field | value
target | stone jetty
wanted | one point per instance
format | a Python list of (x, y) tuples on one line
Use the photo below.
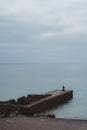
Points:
[(34, 103), (51, 99)]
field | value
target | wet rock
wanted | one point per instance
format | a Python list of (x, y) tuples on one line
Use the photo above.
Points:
[(45, 115), (12, 101), (7, 109), (22, 100)]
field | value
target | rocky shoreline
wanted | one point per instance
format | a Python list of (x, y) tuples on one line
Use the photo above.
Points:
[(12, 107)]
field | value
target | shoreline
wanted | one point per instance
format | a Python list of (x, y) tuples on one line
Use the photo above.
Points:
[(42, 123)]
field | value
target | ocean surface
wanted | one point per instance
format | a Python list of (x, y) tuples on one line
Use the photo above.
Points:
[(21, 79)]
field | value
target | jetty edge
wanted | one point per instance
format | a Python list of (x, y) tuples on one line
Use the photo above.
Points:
[(51, 99)]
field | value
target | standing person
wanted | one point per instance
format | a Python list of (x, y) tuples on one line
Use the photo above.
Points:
[(63, 89)]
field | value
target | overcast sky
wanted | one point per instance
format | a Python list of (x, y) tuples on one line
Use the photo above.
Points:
[(43, 31)]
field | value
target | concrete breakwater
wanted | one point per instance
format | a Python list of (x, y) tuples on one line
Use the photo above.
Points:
[(34, 103), (53, 99)]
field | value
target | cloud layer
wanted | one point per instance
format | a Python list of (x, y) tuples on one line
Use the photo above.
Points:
[(43, 31)]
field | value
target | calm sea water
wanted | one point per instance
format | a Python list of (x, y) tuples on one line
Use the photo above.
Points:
[(21, 79)]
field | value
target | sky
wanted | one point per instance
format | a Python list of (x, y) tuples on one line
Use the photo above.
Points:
[(49, 31)]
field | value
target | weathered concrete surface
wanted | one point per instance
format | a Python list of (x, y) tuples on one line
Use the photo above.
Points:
[(30, 98), (56, 97)]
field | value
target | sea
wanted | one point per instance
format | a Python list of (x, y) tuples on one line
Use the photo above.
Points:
[(21, 79)]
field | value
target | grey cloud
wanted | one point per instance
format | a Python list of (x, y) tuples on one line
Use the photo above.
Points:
[(13, 30), (43, 31)]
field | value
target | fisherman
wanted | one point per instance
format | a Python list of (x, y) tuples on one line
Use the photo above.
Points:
[(63, 89)]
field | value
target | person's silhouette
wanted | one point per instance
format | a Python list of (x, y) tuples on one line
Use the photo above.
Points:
[(63, 89)]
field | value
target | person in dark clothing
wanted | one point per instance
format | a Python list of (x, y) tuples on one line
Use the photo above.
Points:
[(63, 89)]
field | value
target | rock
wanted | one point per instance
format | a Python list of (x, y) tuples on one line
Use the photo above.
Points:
[(51, 115), (12, 101), (7, 109), (45, 115), (22, 100)]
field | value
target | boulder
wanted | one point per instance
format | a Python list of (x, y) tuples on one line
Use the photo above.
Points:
[(22, 100)]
